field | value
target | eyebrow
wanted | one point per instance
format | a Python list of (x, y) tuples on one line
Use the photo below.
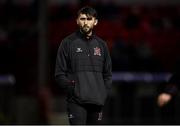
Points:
[(88, 18)]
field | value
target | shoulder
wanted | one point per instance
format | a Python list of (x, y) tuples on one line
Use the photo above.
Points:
[(70, 38), (101, 41)]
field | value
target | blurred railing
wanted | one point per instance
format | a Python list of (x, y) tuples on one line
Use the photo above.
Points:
[(140, 76), (7, 79)]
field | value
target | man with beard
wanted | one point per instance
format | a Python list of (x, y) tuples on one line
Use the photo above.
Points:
[(83, 69)]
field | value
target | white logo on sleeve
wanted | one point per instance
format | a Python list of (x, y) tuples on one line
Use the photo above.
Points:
[(70, 116), (100, 114)]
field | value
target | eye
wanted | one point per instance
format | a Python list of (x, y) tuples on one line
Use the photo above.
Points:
[(82, 19), (89, 18)]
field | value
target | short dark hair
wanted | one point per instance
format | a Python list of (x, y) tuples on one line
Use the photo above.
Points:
[(88, 11)]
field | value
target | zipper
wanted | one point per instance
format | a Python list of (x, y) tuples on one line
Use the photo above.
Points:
[(88, 49)]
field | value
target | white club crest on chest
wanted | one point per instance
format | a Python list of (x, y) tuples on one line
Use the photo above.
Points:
[(97, 51)]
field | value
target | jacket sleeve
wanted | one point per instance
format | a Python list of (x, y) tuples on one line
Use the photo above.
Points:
[(107, 69), (61, 67)]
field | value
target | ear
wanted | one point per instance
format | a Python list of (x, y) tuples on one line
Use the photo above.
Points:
[(77, 21), (96, 22)]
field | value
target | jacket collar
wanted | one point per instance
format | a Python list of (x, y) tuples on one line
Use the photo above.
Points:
[(81, 35)]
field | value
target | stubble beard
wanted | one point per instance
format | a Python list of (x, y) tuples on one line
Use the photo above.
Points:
[(86, 30)]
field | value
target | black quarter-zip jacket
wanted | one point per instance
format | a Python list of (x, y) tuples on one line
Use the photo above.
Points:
[(83, 68)]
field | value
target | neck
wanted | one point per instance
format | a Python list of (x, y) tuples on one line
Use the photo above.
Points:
[(87, 35)]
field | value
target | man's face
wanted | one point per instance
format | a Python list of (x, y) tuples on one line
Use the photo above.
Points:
[(86, 23)]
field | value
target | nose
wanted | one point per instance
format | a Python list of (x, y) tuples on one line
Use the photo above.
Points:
[(85, 21)]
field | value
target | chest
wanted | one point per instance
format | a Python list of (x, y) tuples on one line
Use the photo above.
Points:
[(82, 50)]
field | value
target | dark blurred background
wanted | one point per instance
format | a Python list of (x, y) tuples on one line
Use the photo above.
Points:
[(143, 39)]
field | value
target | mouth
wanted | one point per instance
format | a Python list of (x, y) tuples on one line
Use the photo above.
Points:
[(86, 28)]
